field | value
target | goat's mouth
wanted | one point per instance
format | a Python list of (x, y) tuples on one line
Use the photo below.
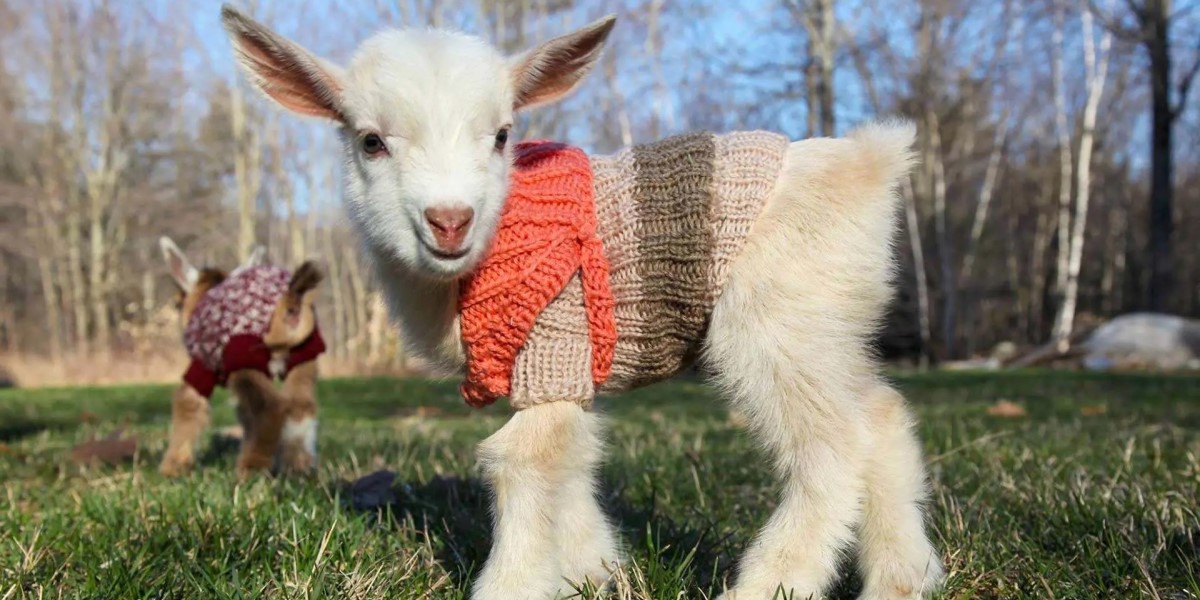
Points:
[(448, 255)]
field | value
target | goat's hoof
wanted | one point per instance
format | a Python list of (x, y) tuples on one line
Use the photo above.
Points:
[(295, 463), (175, 466), (904, 582), (248, 467)]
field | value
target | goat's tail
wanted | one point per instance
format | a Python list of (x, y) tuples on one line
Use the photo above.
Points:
[(886, 148)]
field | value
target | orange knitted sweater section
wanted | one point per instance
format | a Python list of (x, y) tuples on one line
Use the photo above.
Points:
[(547, 233)]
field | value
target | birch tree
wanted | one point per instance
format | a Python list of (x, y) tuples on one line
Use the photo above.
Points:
[(1095, 62)]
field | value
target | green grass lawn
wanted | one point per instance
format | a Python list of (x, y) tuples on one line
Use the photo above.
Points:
[(1093, 494)]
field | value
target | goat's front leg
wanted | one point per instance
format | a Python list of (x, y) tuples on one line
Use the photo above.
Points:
[(588, 544), (263, 408), (298, 444), (189, 418), (526, 464)]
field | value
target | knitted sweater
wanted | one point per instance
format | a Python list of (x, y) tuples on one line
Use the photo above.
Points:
[(670, 217), (547, 234), (225, 332)]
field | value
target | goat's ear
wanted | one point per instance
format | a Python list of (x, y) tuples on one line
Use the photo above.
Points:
[(281, 69), (182, 271), (552, 70), (305, 278), (257, 257)]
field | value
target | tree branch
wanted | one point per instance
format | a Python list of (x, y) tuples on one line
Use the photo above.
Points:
[(1111, 23), (1185, 87)]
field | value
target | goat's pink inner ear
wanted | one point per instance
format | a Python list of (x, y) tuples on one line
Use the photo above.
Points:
[(551, 71), (283, 70)]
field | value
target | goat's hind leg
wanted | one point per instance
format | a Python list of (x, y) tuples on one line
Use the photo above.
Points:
[(816, 439), (298, 443), (896, 558), (263, 407)]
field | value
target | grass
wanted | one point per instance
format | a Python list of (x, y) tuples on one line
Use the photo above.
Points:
[(1093, 494)]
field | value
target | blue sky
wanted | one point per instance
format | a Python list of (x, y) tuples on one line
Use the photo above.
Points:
[(745, 30)]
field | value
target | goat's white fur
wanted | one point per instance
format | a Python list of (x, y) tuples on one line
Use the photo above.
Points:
[(788, 338)]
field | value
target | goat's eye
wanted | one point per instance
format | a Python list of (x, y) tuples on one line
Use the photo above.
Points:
[(501, 138), (373, 145)]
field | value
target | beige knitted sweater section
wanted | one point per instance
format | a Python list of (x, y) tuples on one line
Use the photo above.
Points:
[(673, 216)]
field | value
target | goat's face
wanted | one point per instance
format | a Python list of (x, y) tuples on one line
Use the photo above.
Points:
[(425, 139), (425, 119)]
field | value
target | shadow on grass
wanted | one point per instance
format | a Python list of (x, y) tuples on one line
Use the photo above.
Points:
[(19, 429), (454, 514), (221, 448)]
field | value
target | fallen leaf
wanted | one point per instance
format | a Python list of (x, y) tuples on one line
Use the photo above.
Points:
[(112, 449), (372, 491), (1004, 408), (428, 411), (1093, 411)]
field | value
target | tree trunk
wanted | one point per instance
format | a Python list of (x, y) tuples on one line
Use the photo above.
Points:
[(358, 294), (247, 171), (819, 22), (1064, 153), (1157, 40), (1096, 67), (985, 198), (937, 170), (918, 257), (1113, 282), (1043, 233), (340, 334), (1013, 264), (75, 279), (53, 314)]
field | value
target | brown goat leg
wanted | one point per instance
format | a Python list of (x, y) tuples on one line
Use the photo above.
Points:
[(264, 406), (298, 444), (189, 418)]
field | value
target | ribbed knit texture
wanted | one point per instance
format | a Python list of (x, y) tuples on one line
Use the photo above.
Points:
[(671, 218), (674, 215), (547, 233)]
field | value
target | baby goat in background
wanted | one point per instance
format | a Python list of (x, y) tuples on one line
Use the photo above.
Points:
[(546, 276), (243, 330)]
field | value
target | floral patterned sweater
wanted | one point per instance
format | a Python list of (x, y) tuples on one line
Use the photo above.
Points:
[(225, 332)]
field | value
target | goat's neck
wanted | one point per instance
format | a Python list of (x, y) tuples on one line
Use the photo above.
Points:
[(426, 312)]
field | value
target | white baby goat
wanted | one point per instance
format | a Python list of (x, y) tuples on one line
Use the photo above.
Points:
[(423, 118)]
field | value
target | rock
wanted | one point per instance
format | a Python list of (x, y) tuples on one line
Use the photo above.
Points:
[(1152, 341)]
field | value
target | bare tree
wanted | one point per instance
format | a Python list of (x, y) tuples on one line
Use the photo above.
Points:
[(821, 45), (1151, 27), (1096, 70)]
